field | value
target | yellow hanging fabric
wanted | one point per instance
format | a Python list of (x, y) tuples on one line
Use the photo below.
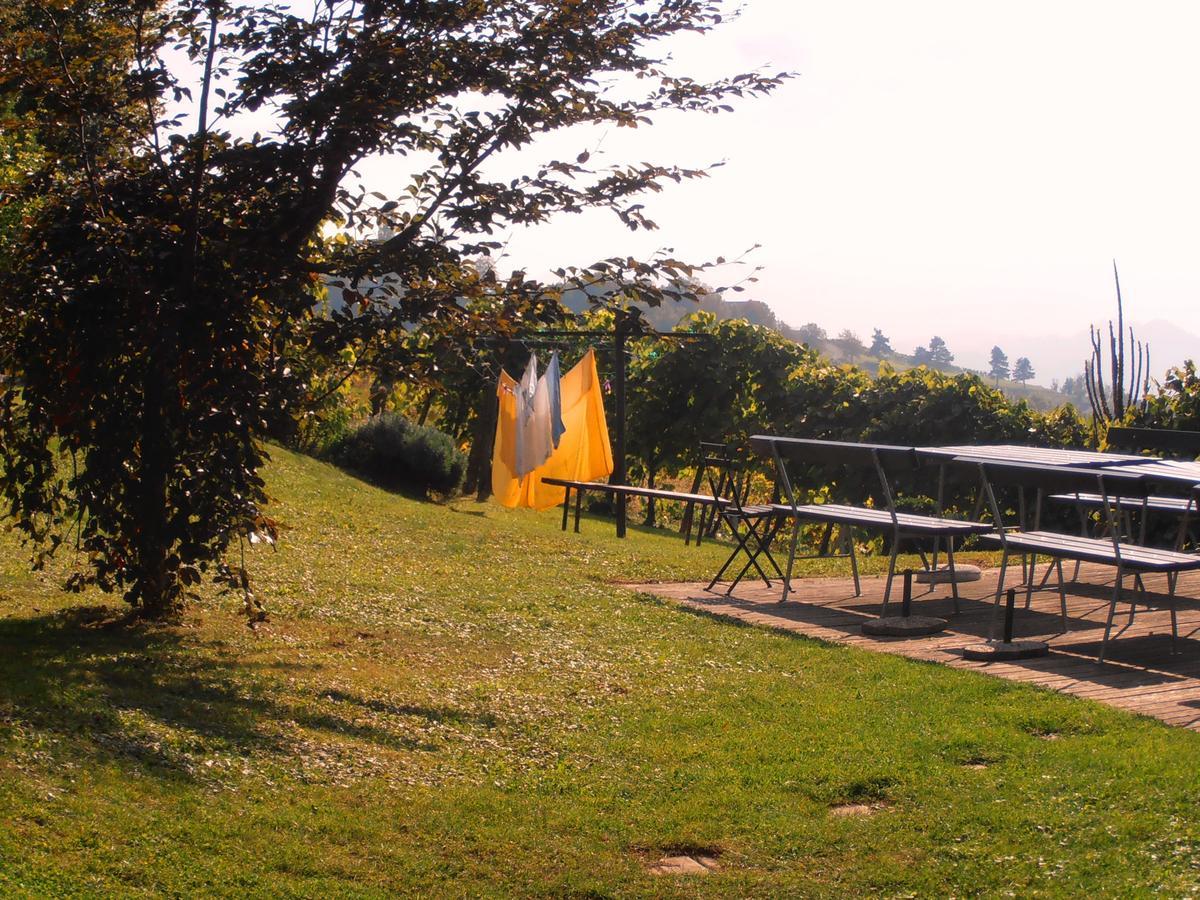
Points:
[(583, 452), (506, 487)]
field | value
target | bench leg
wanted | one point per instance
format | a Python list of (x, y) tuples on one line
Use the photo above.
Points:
[(566, 508), (1062, 595), (578, 508), (999, 594), (887, 590), (1112, 611), (1172, 577), (953, 573), (787, 578), (848, 539), (1029, 580), (1139, 586)]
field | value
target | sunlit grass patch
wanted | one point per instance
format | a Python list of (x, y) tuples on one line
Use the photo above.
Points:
[(458, 700)]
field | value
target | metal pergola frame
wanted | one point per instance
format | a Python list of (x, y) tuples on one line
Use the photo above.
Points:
[(619, 335)]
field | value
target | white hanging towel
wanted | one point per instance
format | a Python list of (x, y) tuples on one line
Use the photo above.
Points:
[(553, 378), (534, 438)]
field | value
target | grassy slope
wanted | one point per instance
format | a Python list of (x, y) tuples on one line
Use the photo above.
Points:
[(455, 701)]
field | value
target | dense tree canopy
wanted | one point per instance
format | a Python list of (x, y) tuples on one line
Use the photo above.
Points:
[(724, 387), (880, 345), (1023, 370), (160, 322), (939, 353), (998, 364)]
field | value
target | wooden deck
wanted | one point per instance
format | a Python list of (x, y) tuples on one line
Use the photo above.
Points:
[(1140, 672)]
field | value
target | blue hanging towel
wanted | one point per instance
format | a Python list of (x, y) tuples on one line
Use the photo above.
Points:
[(553, 376)]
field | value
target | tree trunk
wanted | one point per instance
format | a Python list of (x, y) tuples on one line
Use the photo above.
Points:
[(381, 389), (479, 463), (651, 510), (425, 407), (153, 581)]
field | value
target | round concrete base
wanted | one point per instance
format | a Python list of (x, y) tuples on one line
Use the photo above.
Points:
[(899, 626), (941, 575), (998, 650)]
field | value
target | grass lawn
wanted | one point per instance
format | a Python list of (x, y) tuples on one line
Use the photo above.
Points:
[(456, 701)]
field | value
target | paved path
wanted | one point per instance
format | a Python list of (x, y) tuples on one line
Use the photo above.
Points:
[(1140, 674)]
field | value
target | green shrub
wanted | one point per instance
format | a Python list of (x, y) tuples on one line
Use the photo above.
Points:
[(392, 452), (1176, 403)]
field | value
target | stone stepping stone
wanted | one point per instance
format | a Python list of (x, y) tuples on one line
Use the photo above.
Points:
[(942, 575), (684, 865), (847, 810)]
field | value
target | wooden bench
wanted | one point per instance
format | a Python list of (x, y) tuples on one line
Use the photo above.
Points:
[(1164, 441), (887, 461), (627, 490), (1179, 507), (1114, 487)]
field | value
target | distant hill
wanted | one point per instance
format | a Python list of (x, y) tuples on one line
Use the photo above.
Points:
[(667, 316), (1039, 397)]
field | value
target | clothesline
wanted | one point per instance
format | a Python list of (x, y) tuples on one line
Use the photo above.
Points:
[(526, 430)]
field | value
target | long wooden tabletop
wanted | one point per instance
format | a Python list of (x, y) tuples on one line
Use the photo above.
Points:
[(1042, 456)]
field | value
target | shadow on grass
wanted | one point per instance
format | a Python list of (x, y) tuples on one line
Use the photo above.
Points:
[(433, 714), (162, 698)]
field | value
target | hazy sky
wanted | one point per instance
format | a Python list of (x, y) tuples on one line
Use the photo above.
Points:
[(959, 168)]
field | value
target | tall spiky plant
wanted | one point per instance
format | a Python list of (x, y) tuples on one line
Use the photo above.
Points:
[(1128, 384)]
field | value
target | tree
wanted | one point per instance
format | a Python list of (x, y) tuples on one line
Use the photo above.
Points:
[(151, 328), (939, 353), (851, 341), (922, 356), (18, 155), (998, 364), (1023, 370), (811, 334), (880, 345), (725, 388)]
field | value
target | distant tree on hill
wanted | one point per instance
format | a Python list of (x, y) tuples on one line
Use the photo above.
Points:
[(851, 341), (1074, 389), (1023, 370), (812, 333), (998, 364), (921, 356), (939, 353), (880, 345)]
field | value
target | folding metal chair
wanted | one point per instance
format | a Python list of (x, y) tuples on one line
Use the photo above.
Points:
[(753, 526)]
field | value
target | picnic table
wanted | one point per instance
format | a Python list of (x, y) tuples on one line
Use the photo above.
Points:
[(1117, 478)]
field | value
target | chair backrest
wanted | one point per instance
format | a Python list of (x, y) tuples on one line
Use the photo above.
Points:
[(1160, 440)]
